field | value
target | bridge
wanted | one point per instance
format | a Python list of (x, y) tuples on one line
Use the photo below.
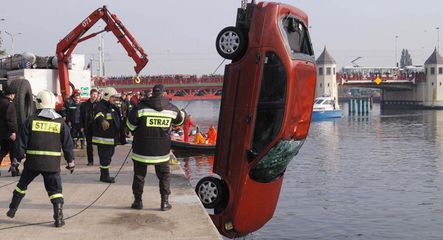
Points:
[(393, 78), (408, 87)]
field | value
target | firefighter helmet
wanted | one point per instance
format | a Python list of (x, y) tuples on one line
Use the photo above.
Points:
[(45, 100), (110, 92)]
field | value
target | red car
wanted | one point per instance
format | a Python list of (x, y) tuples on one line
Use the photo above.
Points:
[(266, 108)]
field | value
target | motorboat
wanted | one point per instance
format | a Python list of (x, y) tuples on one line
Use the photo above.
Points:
[(325, 108)]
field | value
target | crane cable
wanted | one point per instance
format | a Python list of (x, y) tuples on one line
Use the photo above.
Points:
[(78, 213)]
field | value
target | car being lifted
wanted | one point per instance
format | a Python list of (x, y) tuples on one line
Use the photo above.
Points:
[(266, 107)]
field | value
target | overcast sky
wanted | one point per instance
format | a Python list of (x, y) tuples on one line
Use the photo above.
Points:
[(179, 35)]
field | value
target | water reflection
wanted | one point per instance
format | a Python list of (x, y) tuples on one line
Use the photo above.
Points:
[(197, 167), (372, 177)]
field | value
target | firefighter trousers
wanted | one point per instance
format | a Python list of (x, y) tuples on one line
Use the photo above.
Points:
[(161, 170), (52, 180), (105, 153)]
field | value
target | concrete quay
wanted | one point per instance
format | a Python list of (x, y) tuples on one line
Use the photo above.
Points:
[(110, 217)]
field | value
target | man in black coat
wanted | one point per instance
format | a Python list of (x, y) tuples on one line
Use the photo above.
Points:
[(87, 120), (8, 127)]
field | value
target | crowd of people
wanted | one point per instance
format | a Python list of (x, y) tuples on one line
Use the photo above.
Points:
[(106, 119)]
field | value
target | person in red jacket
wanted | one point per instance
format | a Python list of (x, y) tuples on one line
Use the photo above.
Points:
[(187, 126)]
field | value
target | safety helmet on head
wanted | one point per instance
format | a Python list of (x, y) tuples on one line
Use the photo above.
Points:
[(109, 92), (45, 100)]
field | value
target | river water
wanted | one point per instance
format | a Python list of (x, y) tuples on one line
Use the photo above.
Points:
[(373, 177)]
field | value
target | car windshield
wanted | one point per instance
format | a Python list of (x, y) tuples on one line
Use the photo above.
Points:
[(274, 163)]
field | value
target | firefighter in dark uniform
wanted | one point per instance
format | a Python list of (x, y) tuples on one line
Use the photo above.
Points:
[(8, 128), (151, 121), (108, 131), (42, 138)]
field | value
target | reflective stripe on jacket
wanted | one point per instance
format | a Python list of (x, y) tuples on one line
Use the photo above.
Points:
[(114, 135), (42, 140), (151, 121)]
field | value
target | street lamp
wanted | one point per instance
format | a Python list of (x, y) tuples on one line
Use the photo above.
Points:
[(12, 35), (396, 62)]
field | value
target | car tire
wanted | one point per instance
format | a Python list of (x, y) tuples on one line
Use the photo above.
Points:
[(210, 191), (24, 100), (231, 43)]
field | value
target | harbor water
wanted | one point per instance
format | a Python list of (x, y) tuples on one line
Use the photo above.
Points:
[(360, 177)]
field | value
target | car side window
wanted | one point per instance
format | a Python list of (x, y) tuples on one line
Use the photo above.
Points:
[(297, 35), (271, 103)]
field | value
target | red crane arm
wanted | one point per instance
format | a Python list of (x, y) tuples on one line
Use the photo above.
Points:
[(67, 45)]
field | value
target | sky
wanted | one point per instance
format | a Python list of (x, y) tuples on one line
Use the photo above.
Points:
[(179, 36)]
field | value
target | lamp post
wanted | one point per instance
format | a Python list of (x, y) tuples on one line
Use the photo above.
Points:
[(12, 35), (396, 62), (1, 40)]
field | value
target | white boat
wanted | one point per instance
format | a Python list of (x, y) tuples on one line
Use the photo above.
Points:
[(325, 108)]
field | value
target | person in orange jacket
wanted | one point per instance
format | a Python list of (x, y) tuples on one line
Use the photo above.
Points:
[(199, 139), (187, 126), (212, 135)]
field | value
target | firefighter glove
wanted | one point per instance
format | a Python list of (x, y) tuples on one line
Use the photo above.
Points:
[(105, 125)]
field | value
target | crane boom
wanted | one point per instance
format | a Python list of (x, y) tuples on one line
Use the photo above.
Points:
[(66, 46)]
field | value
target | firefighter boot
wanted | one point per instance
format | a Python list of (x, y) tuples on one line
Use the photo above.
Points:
[(15, 202), (137, 204), (104, 176), (165, 206), (58, 215)]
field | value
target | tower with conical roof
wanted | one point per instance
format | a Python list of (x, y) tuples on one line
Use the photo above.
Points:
[(326, 76), (433, 96)]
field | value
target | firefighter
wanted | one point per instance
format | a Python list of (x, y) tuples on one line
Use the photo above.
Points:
[(8, 128), (108, 131), (151, 121), (42, 138)]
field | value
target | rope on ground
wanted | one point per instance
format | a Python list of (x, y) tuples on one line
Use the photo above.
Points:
[(81, 211)]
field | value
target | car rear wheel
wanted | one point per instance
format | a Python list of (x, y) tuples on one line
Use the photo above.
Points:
[(210, 191), (231, 43)]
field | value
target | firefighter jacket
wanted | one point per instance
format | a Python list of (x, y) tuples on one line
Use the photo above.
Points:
[(8, 118), (151, 121), (42, 140), (115, 134)]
